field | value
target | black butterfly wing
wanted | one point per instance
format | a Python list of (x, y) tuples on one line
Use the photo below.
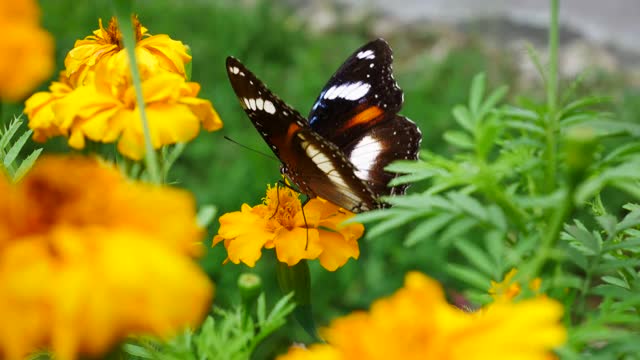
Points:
[(394, 138), (361, 90), (357, 110), (315, 165)]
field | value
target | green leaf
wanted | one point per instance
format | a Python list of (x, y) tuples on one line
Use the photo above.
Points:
[(631, 220), (535, 58), (584, 237), (618, 264), (8, 133), (584, 102), (520, 113), (476, 256), (459, 139), (464, 119), (492, 101), (455, 230), (391, 223), (469, 205), (628, 243), (205, 216), (615, 281), (469, 276), (12, 154), (525, 126), (477, 92), (427, 228), (26, 165)]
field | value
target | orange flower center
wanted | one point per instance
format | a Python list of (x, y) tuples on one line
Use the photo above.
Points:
[(282, 206), (114, 35)]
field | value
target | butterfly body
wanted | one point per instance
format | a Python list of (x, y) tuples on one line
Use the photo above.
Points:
[(352, 133)]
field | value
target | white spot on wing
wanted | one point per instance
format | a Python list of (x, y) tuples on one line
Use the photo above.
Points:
[(348, 91), (234, 69), (268, 107), (259, 103), (367, 54), (246, 102), (364, 156), (252, 104)]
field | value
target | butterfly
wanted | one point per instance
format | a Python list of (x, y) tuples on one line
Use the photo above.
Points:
[(353, 130)]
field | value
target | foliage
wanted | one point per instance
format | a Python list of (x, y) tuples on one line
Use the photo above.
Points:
[(10, 150), (227, 335)]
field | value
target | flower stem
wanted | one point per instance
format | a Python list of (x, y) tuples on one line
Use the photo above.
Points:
[(552, 100), (128, 38)]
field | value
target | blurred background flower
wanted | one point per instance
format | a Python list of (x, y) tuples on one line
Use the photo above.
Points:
[(88, 258), (27, 49)]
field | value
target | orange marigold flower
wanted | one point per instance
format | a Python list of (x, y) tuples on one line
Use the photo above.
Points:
[(417, 323), (280, 223), (153, 53), (27, 49), (105, 111), (83, 264)]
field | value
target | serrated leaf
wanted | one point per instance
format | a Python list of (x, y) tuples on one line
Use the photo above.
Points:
[(12, 154), (632, 219), (628, 243), (391, 223), (476, 93), (26, 165), (469, 205), (584, 102), (459, 139), (463, 118), (584, 237), (608, 223), (7, 135), (525, 126), (615, 281), (520, 113), (618, 264), (137, 350), (456, 229), (427, 228), (492, 100), (476, 256), (469, 276), (610, 291)]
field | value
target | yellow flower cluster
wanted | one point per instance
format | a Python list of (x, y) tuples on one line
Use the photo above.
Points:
[(95, 98), (27, 49), (280, 223), (417, 323), (88, 258)]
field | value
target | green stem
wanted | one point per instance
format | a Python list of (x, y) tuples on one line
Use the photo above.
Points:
[(551, 235), (129, 40), (552, 100)]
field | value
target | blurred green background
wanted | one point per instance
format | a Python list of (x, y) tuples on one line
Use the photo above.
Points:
[(295, 62)]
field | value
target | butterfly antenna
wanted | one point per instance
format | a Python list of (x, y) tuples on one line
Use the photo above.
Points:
[(268, 156)]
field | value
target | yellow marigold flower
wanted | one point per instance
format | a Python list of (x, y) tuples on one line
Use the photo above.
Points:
[(39, 109), (279, 223), (105, 111), (417, 323), (27, 49), (153, 53), (83, 264)]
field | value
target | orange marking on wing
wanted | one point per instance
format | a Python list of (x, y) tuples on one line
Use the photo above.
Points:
[(292, 130), (364, 116)]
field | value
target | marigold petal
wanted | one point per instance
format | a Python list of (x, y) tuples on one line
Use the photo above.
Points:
[(297, 244), (336, 250)]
